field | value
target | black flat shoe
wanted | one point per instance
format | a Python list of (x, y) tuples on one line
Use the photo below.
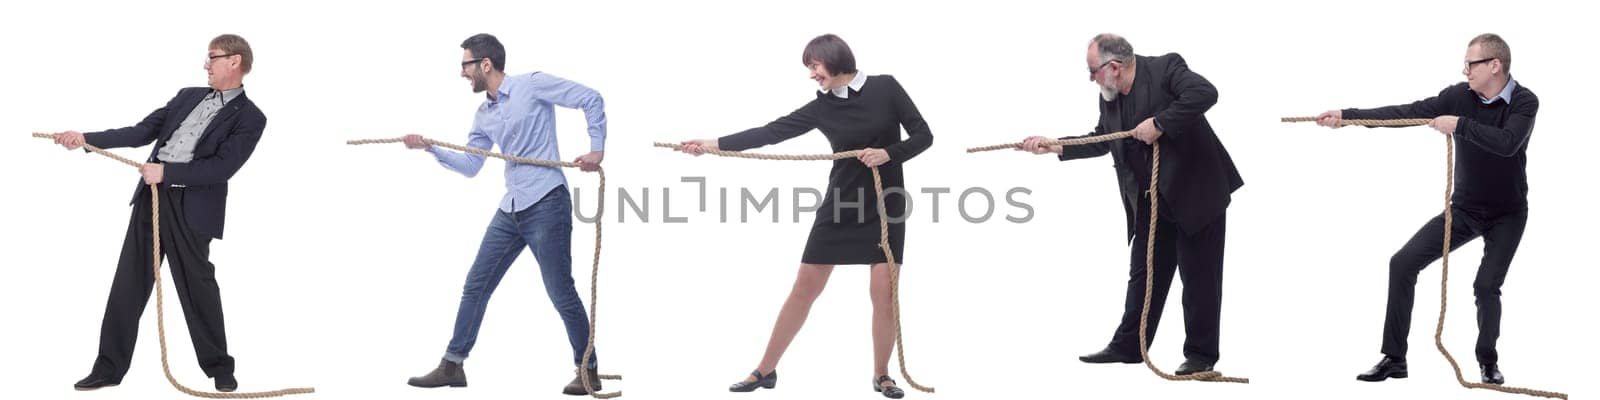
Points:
[(1389, 367), (892, 392), (92, 382), (226, 383), (1108, 356), (1191, 367), (1491, 374), (762, 382)]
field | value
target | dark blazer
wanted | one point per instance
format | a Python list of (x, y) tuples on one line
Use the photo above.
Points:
[(223, 148), (1197, 175)]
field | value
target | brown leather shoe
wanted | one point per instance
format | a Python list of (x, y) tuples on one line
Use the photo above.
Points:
[(448, 373), (575, 388)]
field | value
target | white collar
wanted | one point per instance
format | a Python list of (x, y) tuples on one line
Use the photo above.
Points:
[(844, 91)]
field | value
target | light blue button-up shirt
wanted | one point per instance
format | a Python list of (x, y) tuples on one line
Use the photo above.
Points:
[(521, 120), (1505, 93)]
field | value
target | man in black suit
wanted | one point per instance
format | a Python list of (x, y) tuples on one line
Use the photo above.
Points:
[(202, 136), (1161, 101)]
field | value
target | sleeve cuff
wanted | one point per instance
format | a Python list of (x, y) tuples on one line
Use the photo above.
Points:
[(174, 174), (896, 155)]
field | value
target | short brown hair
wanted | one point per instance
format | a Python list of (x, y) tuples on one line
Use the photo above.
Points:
[(233, 44), (832, 52), (1494, 47)]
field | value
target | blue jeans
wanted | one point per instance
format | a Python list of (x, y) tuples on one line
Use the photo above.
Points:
[(546, 227)]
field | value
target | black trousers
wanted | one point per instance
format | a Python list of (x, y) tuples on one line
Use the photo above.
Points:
[(1501, 233), (192, 274), (1197, 256)]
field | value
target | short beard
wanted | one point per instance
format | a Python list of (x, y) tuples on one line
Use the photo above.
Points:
[(1108, 93), (480, 84)]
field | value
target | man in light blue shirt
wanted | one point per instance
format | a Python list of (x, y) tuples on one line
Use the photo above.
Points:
[(536, 212)]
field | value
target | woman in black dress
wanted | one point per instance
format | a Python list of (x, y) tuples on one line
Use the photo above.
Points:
[(855, 112)]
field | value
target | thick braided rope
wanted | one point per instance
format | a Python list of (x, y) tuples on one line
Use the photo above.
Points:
[(1149, 284), (1366, 122), (1149, 253), (1060, 142), (161, 326), (883, 237), (1444, 270), (1444, 287), (95, 150), (779, 157), (594, 275)]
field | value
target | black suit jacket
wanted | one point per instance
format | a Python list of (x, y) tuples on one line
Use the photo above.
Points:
[(1197, 175), (222, 149)]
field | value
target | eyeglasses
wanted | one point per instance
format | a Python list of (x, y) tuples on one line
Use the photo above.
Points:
[(464, 64), (1469, 64), (1096, 70), (210, 59)]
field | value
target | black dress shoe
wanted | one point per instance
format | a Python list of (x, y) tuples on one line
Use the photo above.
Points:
[(1389, 367), (767, 381), (575, 388), (1108, 356), (226, 383), (448, 373), (1491, 374), (1190, 367), (892, 392), (94, 381)]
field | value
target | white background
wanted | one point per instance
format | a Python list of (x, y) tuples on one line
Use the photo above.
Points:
[(343, 266)]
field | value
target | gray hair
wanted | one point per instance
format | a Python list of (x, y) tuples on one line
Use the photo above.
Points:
[(1494, 47), (1113, 47)]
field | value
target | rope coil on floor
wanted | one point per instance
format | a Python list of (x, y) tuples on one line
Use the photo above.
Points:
[(161, 326), (594, 276), (883, 239)]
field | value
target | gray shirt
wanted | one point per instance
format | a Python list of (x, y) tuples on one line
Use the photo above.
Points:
[(180, 148)]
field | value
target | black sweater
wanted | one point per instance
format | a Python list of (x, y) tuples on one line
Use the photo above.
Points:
[(871, 118), (1491, 142)]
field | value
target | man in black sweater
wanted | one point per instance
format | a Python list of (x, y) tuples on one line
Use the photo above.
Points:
[(1490, 117), (1160, 100)]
